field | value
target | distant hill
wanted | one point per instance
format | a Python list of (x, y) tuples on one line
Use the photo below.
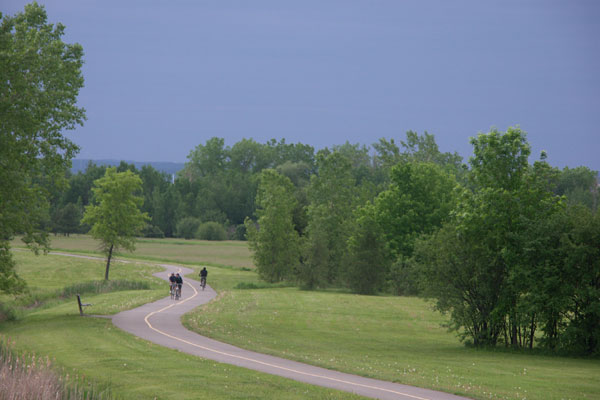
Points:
[(163, 166)]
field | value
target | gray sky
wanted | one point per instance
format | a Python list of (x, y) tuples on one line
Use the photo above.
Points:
[(165, 76)]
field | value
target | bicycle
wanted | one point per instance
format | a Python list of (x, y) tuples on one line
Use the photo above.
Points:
[(178, 292), (203, 282), (173, 290)]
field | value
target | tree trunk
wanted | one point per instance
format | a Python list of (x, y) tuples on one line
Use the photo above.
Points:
[(108, 262), (532, 331)]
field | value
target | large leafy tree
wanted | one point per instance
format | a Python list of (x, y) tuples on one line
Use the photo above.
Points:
[(115, 215), (275, 242), (483, 267), (40, 78)]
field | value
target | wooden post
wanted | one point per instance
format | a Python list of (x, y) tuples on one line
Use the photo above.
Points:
[(79, 304)]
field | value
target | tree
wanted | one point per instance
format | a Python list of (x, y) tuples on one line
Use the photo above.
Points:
[(481, 267), (40, 78), (368, 258), (580, 185), (418, 201), (66, 219), (115, 215), (332, 198), (275, 242), (416, 148), (206, 159)]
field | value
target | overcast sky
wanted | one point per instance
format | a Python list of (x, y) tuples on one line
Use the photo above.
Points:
[(162, 77)]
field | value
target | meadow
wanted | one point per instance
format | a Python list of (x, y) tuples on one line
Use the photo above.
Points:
[(394, 338), (198, 252)]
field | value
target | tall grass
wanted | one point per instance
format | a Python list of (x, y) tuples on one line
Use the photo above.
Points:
[(28, 376)]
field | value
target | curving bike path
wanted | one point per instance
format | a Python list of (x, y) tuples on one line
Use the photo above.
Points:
[(160, 322)]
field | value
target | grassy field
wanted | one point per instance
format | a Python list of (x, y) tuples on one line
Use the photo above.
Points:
[(133, 368), (196, 252), (392, 338)]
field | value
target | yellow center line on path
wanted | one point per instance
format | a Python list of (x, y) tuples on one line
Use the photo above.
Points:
[(258, 361)]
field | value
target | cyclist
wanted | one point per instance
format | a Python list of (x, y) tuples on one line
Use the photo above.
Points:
[(179, 281), (172, 283), (203, 275)]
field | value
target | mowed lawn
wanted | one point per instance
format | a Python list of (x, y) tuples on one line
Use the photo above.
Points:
[(398, 339), (393, 338)]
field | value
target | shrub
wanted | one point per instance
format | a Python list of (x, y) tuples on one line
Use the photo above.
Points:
[(153, 231), (211, 231), (240, 232), (7, 313), (262, 285), (187, 227)]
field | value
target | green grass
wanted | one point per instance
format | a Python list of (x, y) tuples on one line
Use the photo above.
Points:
[(49, 278), (137, 369), (199, 252), (131, 367), (391, 338)]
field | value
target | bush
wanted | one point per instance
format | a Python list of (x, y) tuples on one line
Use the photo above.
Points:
[(211, 231), (240, 232), (6, 313), (187, 227), (404, 278), (153, 231), (262, 285)]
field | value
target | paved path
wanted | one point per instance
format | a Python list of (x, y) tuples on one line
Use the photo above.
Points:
[(159, 322)]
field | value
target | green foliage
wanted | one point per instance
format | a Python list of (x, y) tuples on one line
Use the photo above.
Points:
[(211, 231), (115, 215), (368, 257), (405, 277), (481, 266), (187, 227), (418, 200), (416, 148), (332, 197), (41, 78), (575, 285), (580, 186), (66, 220), (152, 231), (275, 242)]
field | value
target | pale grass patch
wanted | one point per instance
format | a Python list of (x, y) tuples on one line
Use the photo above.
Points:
[(28, 376)]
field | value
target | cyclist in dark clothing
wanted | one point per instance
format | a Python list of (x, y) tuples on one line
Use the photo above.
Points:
[(203, 275), (172, 282), (179, 281)]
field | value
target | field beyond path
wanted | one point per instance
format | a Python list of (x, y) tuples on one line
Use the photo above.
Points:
[(159, 322)]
